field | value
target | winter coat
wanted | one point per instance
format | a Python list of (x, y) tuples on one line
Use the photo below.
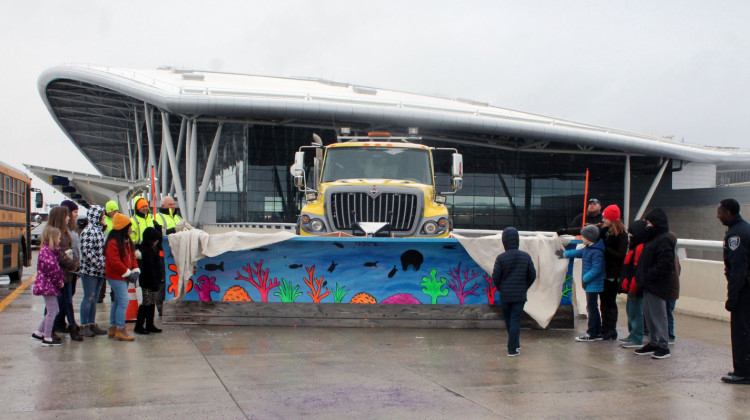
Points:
[(575, 226), (736, 259), (92, 244), (152, 268), (656, 263), (593, 265), (514, 270), (49, 275), (628, 280), (115, 266), (67, 263), (615, 248)]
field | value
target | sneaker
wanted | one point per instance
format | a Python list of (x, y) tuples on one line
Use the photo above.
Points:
[(631, 345), (646, 350), (624, 340), (53, 342), (661, 354), (587, 339), (514, 354), (36, 336), (672, 340)]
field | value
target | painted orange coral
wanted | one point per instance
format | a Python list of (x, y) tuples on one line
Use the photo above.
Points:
[(363, 298), (236, 294)]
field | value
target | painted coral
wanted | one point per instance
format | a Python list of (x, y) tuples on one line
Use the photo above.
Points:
[(363, 298), (489, 289), (258, 278), (236, 294), (401, 298), (204, 286), (459, 280), (315, 285), (174, 280), (433, 287)]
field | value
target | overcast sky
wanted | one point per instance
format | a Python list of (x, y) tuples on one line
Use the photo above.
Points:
[(671, 67)]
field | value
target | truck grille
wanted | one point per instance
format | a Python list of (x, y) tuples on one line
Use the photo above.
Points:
[(398, 209)]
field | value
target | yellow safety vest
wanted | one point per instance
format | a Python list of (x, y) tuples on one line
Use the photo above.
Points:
[(167, 221), (139, 225)]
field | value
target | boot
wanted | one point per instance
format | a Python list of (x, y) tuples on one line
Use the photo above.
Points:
[(75, 332), (59, 326), (96, 330), (150, 327), (140, 320), (111, 331), (122, 335), (86, 331)]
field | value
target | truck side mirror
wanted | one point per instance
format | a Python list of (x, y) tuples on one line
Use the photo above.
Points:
[(457, 169), (299, 181), (298, 167), (39, 200), (457, 183)]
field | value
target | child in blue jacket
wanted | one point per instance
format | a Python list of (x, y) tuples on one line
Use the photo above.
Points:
[(593, 279)]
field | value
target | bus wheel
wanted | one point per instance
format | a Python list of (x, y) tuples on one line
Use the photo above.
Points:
[(16, 276)]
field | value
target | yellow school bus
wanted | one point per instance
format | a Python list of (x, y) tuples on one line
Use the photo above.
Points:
[(15, 221)]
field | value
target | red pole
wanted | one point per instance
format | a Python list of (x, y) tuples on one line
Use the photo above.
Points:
[(153, 189), (585, 198)]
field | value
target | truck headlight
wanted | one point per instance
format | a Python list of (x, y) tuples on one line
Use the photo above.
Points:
[(317, 225), (430, 227)]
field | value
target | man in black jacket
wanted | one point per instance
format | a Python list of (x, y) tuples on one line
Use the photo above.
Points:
[(655, 268), (593, 217), (736, 260)]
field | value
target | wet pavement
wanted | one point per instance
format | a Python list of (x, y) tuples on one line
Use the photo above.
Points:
[(276, 372)]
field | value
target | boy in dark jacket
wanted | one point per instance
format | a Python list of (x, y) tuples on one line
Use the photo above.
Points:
[(655, 268), (513, 274), (628, 284), (150, 280)]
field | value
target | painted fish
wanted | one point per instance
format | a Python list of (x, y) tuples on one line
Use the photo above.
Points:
[(393, 272), (214, 267), (259, 249), (449, 246), (371, 264), (338, 244), (295, 265), (325, 283), (333, 266)]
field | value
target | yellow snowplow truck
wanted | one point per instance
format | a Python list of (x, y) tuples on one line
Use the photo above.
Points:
[(378, 185)]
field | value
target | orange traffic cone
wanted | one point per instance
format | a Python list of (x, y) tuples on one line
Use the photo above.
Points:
[(131, 313)]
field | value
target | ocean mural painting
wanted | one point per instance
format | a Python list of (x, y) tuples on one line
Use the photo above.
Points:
[(343, 270)]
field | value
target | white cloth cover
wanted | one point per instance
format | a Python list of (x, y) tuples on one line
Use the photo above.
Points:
[(544, 296)]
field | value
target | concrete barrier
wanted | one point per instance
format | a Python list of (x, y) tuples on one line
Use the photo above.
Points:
[(703, 289)]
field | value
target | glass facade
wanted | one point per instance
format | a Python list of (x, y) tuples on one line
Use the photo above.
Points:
[(528, 190)]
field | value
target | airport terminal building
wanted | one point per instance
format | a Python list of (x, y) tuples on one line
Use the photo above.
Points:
[(222, 144)]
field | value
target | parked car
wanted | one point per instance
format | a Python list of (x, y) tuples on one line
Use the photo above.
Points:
[(36, 234)]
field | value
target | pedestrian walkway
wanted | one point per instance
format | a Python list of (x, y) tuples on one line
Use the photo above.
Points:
[(200, 372)]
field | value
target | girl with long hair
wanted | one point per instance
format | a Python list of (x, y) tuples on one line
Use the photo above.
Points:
[(58, 218), (120, 267)]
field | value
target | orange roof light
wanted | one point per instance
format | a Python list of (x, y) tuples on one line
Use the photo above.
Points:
[(378, 134)]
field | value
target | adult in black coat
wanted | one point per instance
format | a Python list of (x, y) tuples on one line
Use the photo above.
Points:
[(513, 274), (616, 246), (655, 268), (737, 272), (593, 217)]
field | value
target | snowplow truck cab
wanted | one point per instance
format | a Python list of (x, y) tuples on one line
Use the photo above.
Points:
[(377, 185)]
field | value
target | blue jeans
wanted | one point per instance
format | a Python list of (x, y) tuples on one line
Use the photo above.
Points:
[(512, 312), (92, 285), (670, 318), (595, 320), (634, 308), (120, 304)]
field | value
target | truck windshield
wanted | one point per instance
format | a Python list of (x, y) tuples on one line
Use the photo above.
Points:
[(378, 162)]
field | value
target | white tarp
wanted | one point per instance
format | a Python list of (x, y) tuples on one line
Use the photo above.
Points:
[(543, 298), (545, 294)]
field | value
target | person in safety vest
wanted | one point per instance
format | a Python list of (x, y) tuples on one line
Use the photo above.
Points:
[(141, 219), (167, 217), (110, 209)]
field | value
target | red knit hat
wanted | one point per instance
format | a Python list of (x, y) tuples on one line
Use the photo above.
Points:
[(612, 212)]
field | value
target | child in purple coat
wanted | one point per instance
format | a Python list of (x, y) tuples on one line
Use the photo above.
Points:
[(49, 281)]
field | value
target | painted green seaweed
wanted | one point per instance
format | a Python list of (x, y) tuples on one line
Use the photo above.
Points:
[(288, 292), (339, 293), (434, 287), (567, 286)]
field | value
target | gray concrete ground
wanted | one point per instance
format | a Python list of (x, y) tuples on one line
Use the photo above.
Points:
[(272, 372)]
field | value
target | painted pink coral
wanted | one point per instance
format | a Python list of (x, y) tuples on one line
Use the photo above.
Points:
[(402, 298)]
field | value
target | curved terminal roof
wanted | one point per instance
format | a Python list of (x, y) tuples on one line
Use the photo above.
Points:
[(95, 107)]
